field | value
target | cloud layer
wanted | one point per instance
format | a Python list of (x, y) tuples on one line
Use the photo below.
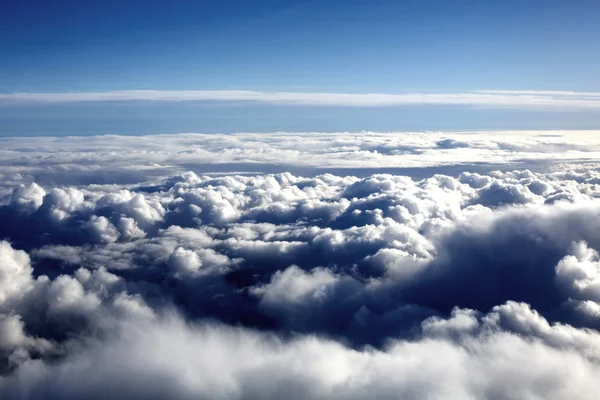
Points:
[(555, 100), (247, 284), (128, 160)]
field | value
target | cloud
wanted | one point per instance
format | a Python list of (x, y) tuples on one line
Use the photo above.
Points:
[(579, 273), (484, 98), (15, 274), (542, 92), (122, 163), (181, 360), (462, 283)]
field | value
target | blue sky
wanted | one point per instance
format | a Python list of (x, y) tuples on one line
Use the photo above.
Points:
[(393, 47)]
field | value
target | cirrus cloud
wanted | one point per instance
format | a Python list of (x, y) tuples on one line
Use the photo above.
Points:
[(482, 98)]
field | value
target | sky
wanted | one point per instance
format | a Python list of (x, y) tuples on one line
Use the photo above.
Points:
[(333, 47)]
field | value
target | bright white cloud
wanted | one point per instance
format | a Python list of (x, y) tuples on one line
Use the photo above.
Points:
[(122, 160)]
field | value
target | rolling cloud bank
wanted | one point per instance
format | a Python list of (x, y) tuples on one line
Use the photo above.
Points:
[(253, 266)]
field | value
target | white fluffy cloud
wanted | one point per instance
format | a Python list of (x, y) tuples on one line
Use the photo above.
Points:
[(579, 273), (452, 282), (15, 272), (149, 359)]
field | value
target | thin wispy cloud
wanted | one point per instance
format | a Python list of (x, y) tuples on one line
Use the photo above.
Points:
[(481, 98), (542, 93)]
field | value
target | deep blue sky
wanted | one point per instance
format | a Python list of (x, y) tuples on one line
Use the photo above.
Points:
[(311, 46)]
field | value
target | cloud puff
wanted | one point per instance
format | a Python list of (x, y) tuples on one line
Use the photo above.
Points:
[(476, 283), (579, 273), (15, 272)]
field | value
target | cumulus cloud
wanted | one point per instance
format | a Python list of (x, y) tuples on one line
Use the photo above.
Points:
[(465, 283), (190, 361), (579, 273)]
